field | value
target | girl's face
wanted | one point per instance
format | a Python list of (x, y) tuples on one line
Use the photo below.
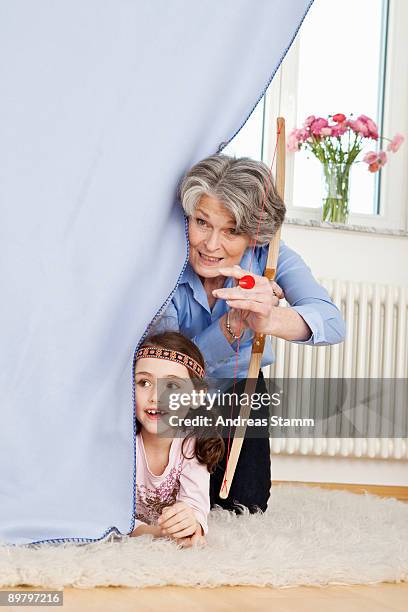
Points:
[(213, 240), (155, 380)]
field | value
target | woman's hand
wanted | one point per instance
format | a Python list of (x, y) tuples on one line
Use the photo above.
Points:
[(253, 307), (178, 521)]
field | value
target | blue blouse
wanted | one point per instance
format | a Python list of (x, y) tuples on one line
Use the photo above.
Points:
[(190, 313)]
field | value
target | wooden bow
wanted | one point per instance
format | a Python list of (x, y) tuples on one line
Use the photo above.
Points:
[(258, 342)]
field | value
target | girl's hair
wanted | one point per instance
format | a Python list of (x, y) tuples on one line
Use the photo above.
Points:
[(209, 446)]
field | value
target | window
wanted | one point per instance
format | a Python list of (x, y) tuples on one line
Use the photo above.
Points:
[(249, 141), (340, 80), (354, 60)]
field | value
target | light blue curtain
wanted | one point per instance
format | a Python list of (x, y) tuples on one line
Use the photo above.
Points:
[(103, 106)]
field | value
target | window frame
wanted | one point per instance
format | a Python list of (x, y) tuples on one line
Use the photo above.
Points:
[(281, 100)]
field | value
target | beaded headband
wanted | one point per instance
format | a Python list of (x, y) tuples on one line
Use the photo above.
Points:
[(161, 353)]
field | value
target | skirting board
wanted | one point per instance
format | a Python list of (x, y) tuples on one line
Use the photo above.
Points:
[(400, 493), (352, 470)]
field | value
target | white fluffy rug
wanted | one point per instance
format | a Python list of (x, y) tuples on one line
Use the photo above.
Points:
[(308, 536)]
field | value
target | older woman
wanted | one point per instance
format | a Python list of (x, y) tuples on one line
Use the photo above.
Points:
[(230, 203)]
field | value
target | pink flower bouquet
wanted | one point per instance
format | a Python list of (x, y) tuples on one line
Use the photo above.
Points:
[(336, 142)]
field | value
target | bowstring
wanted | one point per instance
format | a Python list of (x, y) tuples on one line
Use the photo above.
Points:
[(266, 185)]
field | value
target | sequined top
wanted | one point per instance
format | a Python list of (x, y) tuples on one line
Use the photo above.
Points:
[(183, 479)]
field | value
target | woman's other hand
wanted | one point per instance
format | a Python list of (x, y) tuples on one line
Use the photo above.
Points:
[(253, 307)]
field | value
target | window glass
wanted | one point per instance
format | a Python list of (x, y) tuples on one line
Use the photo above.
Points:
[(340, 71), (248, 141)]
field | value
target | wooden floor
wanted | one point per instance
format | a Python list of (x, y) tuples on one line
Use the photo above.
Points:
[(397, 492), (376, 598)]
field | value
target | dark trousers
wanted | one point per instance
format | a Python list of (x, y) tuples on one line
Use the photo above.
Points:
[(251, 484)]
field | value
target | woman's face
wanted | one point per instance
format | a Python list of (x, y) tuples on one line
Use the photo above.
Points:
[(214, 242)]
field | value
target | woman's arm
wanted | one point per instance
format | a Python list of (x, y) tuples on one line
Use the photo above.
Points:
[(286, 323), (309, 299), (311, 318)]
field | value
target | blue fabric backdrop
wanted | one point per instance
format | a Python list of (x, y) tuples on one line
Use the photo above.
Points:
[(104, 105)]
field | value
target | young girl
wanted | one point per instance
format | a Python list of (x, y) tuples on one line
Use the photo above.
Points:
[(172, 473)]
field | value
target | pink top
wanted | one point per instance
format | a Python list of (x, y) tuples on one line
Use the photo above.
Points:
[(184, 480)]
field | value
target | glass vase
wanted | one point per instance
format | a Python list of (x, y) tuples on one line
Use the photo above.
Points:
[(336, 192)]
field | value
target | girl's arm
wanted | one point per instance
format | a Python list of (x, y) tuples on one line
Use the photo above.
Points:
[(142, 528), (153, 530), (194, 493), (195, 486)]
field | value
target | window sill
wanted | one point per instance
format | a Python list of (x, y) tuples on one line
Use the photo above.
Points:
[(347, 227)]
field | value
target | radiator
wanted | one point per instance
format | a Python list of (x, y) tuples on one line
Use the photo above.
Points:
[(376, 346)]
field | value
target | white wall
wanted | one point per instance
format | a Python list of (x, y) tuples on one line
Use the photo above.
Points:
[(350, 255)]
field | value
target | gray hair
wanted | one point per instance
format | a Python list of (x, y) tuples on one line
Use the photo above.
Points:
[(245, 187)]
